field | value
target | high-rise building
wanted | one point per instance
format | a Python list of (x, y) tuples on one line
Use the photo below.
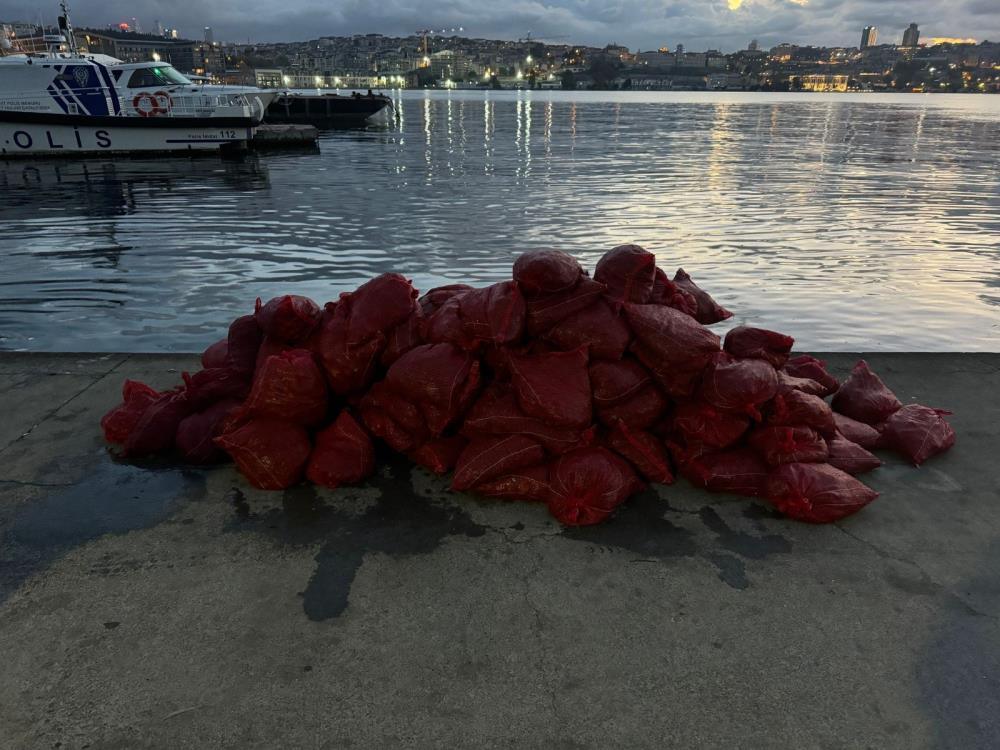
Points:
[(680, 50), (868, 37), (208, 35), (911, 37), (752, 47)]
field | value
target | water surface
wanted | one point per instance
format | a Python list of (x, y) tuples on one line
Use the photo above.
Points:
[(852, 222)]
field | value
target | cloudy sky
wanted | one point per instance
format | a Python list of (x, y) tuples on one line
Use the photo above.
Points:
[(643, 24)]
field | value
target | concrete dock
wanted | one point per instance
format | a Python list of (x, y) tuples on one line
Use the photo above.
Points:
[(272, 136), (158, 607)]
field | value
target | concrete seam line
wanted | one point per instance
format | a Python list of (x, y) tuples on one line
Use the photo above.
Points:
[(68, 401)]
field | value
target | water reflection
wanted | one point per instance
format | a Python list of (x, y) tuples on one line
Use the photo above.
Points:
[(854, 222)]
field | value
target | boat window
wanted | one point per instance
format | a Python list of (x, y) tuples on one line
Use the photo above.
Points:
[(159, 76)]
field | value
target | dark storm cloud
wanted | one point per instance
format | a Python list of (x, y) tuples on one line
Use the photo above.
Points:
[(699, 24)]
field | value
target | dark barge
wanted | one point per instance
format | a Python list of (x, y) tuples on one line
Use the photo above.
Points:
[(329, 110)]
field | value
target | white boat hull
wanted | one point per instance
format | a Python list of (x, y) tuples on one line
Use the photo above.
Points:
[(52, 139)]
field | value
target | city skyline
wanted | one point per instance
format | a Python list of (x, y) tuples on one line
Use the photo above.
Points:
[(726, 25)]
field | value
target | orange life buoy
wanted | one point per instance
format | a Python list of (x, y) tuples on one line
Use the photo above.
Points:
[(154, 108)]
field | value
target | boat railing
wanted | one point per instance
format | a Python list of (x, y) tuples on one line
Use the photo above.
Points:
[(168, 104), (161, 103)]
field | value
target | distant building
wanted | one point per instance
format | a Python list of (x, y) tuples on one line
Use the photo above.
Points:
[(680, 51), (822, 82), (127, 46), (911, 37), (655, 59), (869, 37), (209, 37), (752, 47)]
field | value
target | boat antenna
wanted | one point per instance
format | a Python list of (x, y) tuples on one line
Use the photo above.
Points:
[(66, 27)]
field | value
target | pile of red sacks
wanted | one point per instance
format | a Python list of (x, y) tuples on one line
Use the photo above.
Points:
[(555, 387)]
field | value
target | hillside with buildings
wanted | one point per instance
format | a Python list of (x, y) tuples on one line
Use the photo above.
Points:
[(425, 59)]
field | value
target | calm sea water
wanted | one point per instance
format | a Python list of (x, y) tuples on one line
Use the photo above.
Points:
[(852, 222)]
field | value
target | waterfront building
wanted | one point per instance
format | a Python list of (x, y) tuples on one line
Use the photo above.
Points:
[(823, 82), (869, 36), (911, 37)]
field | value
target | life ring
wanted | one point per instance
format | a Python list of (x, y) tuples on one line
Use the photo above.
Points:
[(154, 107), (160, 103)]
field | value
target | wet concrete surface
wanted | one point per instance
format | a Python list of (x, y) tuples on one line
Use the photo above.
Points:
[(169, 607)]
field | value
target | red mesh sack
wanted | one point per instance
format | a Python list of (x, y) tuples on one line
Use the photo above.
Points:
[(545, 310), (289, 318), (918, 433), (271, 454), (672, 345), (206, 387), (343, 454), (196, 433), (709, 311), (628, 272), (118, 423), (440, 379), (786, 445), (487, 458), (405, 336), (546, 271), (816, 493), (439, 454), (738, 471), (666, 292), (640, 412), (494, 314), (378, 306), (435, 298), (864, 397), (444, 324), (243, 343), (554, 387), (699, 422), (389, 424), (787, 383), (797, 409), (759, 343), (289, 387), (348, 368), (269, 348), (597, 327), (497, 412), (154, 432), (530, 484), (805, 366), (857, 432), (850, 457), (615, 382), (738, 385), (588, 484), (217, 355), (644, 451)]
